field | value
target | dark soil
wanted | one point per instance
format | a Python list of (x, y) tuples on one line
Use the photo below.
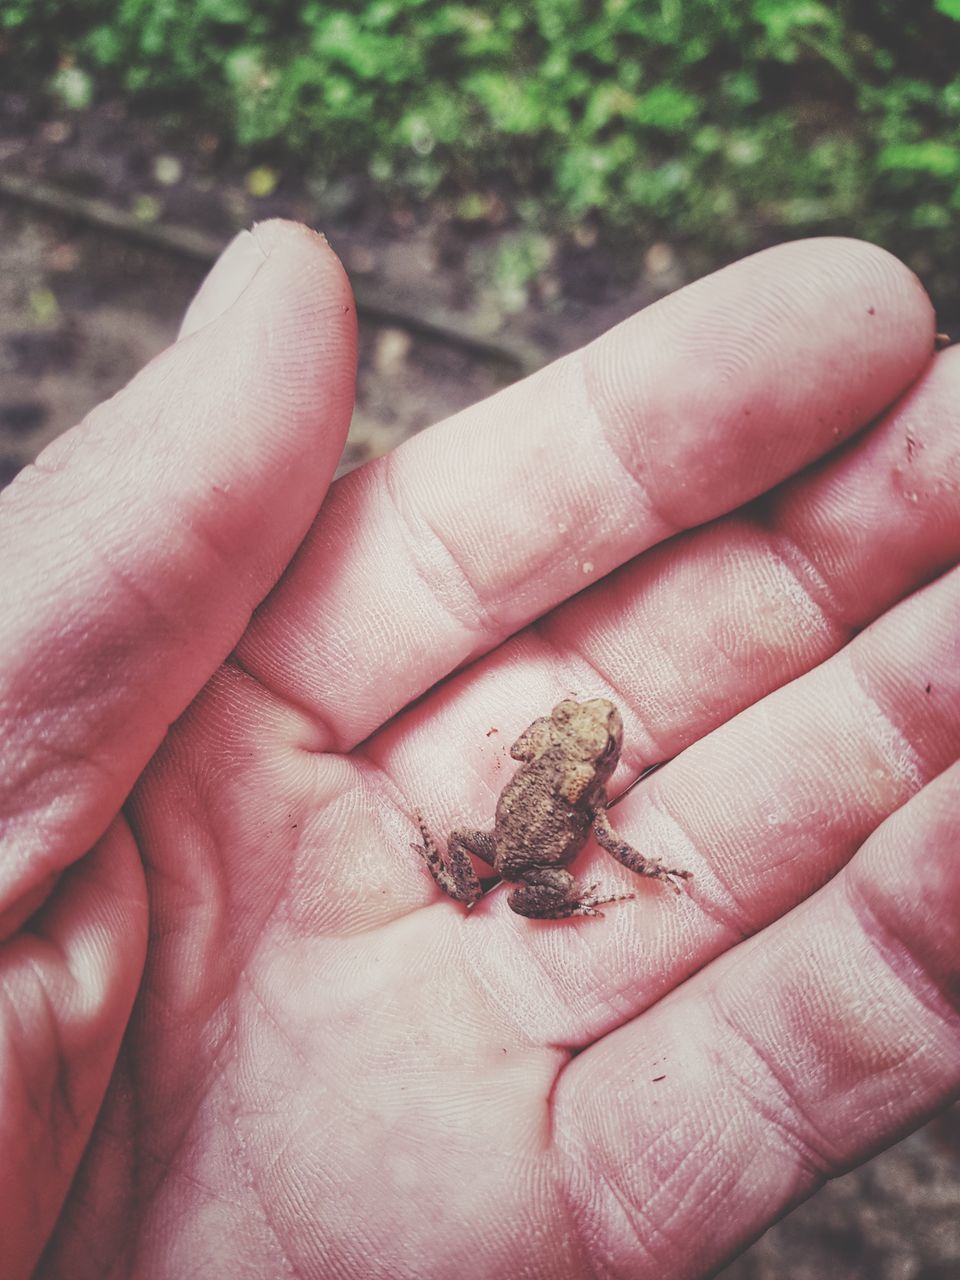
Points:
[(81, 309)]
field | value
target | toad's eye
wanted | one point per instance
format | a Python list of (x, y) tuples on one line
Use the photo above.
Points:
[(609, 749)]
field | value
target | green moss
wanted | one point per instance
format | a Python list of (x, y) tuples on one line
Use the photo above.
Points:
[(728, 121)]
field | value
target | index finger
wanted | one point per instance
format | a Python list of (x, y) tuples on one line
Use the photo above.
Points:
[(435, 554)]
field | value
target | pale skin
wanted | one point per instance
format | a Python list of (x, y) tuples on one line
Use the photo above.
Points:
[(242, 1031)]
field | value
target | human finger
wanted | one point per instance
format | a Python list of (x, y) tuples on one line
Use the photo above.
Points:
[(138, 545), (435, 554), (67, 984)]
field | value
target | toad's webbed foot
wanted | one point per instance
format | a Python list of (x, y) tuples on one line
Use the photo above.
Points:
[(551, 893), (614, 844), (454, 872)]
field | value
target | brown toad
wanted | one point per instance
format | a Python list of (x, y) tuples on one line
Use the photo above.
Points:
[(544, 815)]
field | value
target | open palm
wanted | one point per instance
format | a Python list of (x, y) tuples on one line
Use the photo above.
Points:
[(330, 1069)]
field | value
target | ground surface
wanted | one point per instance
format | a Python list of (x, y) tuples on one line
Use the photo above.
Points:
[(82, 309)]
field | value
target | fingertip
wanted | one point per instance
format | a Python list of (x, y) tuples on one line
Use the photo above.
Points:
[(755, 371), (894, 321), (224, 283), (305, 255), (297, 257), (901, 302)]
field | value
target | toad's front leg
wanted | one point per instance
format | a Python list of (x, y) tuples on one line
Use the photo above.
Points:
[(551, 893), (614, 844), (454, 873)]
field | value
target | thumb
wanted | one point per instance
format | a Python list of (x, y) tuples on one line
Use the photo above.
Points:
[(135, 550), (138, 544), (232, 272)]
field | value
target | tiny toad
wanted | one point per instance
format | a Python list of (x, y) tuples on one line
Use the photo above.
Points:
[(544, 815)]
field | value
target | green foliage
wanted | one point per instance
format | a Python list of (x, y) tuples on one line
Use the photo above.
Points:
[(726, 120)]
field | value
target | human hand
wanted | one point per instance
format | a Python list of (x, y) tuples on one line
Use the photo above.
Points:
[(333, 1070)]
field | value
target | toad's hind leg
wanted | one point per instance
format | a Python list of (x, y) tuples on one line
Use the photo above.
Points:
[(551, 893), (454, 873), (614, 844)]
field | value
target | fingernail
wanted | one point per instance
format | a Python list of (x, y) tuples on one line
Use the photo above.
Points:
[(229, 276)]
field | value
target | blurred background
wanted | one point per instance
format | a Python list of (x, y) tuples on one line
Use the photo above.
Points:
[(503, 182)]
